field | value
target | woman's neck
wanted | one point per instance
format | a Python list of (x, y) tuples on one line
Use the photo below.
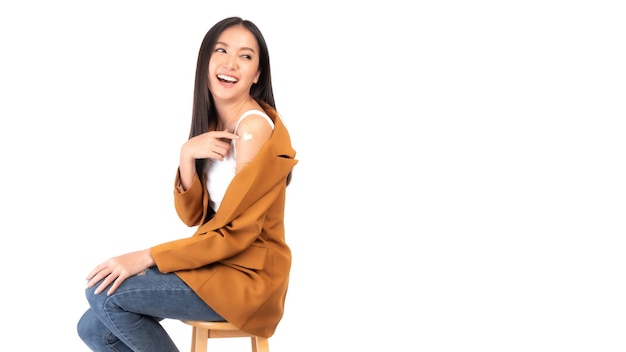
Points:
[(228, 114)]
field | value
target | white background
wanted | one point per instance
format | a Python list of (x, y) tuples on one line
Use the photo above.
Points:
[(461, 175)]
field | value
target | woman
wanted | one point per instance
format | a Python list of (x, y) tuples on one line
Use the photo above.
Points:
[(230, 183)]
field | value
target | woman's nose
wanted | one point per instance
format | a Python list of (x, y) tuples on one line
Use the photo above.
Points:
[(231, 61)]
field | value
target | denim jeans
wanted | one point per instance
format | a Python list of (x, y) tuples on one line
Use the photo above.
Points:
[(129, 319)]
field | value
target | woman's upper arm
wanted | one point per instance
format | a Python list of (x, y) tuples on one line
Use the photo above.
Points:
[(253, 132)]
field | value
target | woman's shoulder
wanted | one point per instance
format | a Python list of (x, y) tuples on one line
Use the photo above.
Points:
[(253, 119)]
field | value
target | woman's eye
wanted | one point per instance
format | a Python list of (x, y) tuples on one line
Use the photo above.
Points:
[(220, 50), (247, 57)]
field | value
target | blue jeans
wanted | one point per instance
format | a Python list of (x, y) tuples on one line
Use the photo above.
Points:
[(129, 319)]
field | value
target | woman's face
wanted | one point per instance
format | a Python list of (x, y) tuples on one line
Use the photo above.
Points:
[(234, 64)]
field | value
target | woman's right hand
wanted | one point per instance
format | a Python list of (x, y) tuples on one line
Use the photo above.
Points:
[(209, 145), (213, 145)]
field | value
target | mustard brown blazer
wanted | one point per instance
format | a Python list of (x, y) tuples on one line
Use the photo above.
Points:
[(238, 262)]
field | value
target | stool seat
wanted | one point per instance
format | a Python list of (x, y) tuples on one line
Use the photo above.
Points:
[(204, 330)]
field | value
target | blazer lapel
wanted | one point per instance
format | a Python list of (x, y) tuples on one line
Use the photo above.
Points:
[(270, 166)]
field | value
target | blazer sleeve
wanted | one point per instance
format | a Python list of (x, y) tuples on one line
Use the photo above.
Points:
[(208, 246), (189, 203)]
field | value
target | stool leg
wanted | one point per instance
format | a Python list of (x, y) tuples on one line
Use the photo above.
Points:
[(199, 339), (260, 344)]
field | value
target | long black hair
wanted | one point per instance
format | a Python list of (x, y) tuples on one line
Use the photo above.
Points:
[(204, 115)]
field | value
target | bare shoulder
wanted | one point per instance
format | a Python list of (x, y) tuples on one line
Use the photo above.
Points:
[(253, 131), (254, 125)]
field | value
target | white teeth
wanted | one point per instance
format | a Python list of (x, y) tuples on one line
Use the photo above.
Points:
[(227, 78)]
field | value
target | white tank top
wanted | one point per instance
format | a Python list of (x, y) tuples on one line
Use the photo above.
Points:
[(218, 174)]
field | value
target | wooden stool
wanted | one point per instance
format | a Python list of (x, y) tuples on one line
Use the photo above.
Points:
[(204, 330)]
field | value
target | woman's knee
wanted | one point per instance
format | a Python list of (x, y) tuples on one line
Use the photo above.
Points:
[(89, 328), (95, 300)]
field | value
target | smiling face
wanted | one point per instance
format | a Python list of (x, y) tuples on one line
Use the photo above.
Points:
[(234, 64)]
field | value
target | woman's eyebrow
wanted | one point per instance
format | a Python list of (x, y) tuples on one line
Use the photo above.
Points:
[(242, 48)]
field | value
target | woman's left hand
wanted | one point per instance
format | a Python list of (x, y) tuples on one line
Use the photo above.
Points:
[(117, 269)]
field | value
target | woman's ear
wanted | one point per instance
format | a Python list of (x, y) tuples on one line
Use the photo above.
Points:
[(256, 78)]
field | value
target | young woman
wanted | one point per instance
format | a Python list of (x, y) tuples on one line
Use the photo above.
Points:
[(230, 184)]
